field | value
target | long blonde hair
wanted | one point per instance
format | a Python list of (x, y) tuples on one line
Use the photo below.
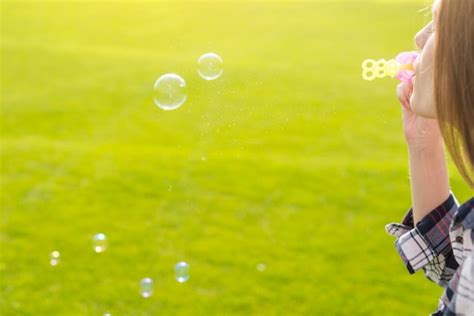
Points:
[(454, 82)]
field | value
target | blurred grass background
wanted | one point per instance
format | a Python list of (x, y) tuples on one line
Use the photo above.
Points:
[(289, 159)]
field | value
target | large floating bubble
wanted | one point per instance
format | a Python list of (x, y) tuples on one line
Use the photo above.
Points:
[(210, 66), (169, 92)]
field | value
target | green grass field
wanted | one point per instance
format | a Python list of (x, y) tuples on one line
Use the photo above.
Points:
[(289, 159)]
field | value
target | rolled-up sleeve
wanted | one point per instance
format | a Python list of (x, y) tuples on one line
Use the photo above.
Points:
[(427, 246)]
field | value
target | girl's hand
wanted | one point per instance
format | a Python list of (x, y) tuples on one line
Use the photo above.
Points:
[(428, 172), (420, 133)]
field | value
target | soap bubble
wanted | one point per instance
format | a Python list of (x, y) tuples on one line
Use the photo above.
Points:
[(146, 287), (169, 92), (54, 258), (210, 66), (99, 242), (181, 270), (261, 267)]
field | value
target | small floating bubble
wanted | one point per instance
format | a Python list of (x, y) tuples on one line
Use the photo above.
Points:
[(54, 258), (146, 287), (210, 66), (261, 267), (181, 270), (99, 242), (169, 92)]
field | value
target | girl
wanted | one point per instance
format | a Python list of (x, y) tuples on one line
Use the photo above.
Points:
[(437, 235)]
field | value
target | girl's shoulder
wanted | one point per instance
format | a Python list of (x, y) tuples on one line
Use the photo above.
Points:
[(465, 214)]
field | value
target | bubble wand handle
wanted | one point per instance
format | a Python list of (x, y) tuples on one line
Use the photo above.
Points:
[(400, 67)]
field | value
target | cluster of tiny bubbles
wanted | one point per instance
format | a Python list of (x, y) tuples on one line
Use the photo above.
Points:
[(99, 242), (54, 258), (146, 287), (181, 270), (261, 267), (210, 66), (169, 92)]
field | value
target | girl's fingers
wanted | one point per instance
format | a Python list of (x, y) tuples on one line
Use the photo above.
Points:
[(404, 91), (401, 95)]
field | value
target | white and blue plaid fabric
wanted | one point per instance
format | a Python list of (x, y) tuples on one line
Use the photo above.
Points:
[(441, 245)]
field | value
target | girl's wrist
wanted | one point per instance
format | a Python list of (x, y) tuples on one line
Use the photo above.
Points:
[(428, 177), (424, 145), (429, 155)]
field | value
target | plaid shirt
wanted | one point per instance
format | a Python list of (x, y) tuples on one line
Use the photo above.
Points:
[(441, 244)]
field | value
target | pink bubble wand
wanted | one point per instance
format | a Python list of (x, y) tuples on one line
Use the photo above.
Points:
[(400, 67)]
